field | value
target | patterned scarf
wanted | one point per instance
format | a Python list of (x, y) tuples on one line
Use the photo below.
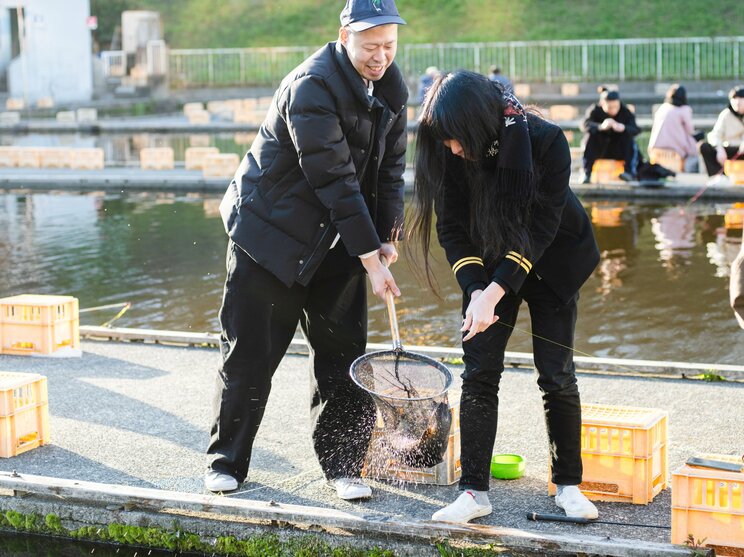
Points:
[(510, 156)]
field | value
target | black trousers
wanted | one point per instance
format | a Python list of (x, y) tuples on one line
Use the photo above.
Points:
[(615, 146), (484, 364), (259, 316), (708, 152)]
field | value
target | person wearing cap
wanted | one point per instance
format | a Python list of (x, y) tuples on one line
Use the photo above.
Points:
[(316, 202), (726, 140), (609, 129)]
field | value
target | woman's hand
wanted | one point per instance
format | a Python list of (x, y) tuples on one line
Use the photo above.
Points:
[(480, 312)]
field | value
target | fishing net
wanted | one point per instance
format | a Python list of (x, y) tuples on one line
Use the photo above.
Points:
[(410, 392)]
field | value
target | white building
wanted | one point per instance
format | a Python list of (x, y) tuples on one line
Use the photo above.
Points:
[(51, 55)]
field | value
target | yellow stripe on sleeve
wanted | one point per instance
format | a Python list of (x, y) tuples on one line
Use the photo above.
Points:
[(518, 261), (466, 261), (522, 259)]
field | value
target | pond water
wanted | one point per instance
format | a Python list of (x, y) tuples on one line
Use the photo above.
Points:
[(660, 291)]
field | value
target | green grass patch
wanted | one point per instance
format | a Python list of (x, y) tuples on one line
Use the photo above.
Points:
[(244, 23), (178, 540)]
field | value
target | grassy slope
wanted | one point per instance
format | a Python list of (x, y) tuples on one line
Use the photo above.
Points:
[(234, 23)]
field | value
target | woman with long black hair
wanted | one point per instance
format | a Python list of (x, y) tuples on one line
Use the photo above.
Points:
[(512, 230)]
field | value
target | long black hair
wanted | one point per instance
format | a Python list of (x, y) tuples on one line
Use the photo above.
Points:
[(469, 108), (737, 91)]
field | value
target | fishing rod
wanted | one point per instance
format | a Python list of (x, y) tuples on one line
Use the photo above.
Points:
[(709, 183), (123, 305), (581, 520)]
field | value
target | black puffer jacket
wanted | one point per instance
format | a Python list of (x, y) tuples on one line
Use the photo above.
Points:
[(595, 115), (563, 253), (327, 159)]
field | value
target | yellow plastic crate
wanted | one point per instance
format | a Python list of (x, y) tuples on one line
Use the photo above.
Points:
[(24, 413), (19, 391), (446, 472), (563, 112), (15, 103), (86, 158), (735, 171), (8, 157), (623, 452), (54, 157), (668, 158), (29, 157), (40, 325), (220, 166), (45, 102), (734, 217), (199, 117), (569, 89), (708, 505), (607, 170), (189, 108), (194, 156), (156, 158)]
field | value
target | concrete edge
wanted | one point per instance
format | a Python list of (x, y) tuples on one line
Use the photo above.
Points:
[(92, 496), (615, 366)]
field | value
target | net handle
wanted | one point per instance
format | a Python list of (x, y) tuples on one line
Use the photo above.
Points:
[(392, 316)]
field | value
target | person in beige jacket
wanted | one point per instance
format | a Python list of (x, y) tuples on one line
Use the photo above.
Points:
[(726, 140), (736, 287)]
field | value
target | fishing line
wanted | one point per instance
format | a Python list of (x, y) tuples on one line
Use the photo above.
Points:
[(577, 351), (695, 197)]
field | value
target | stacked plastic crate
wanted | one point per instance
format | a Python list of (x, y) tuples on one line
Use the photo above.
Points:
[(624, 453), (24, 413), (39, 325)]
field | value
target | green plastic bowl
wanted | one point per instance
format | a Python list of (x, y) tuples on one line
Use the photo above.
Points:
[(507, 466)]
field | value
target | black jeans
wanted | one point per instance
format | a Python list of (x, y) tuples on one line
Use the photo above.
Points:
[(259, 316), (708, 152), (607, 145), (484, 364)]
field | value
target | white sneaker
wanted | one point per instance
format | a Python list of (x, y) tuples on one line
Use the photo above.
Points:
[(464, 509), (349, 489), (719, 180), (217, 481), (575, 503)]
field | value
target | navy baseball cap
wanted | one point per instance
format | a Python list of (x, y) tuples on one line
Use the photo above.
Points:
[(360, 15)]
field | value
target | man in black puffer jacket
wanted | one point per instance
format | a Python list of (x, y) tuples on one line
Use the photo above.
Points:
[(316, 202)]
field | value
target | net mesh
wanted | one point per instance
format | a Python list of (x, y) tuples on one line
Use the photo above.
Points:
[(410, 392)]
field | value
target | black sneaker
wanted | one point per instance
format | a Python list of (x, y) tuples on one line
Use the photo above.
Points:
[(626, 177), (587, 179)]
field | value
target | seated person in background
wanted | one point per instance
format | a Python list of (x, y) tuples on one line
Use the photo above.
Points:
[(425, 81), (673, 129), (609, 130), (495, 75), (726, 141)]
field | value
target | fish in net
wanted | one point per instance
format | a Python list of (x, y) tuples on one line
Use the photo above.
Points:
[(410, 392)]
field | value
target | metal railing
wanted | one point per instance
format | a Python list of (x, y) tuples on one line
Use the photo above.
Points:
[(664, 59)]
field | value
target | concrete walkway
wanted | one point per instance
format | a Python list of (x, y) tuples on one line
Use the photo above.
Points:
[(178, 123), (684, 187), (138, 415)]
